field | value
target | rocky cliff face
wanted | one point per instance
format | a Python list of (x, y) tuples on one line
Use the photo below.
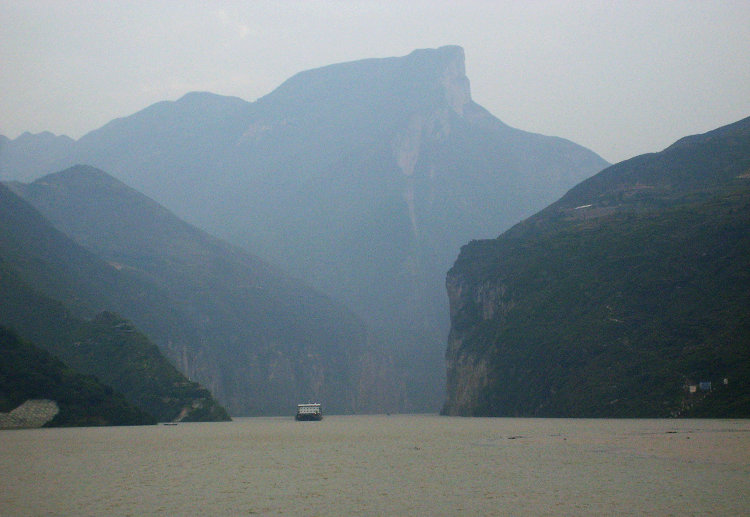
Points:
[(473, 301)]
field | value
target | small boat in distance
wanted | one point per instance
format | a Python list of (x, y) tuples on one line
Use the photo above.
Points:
[(309, 412)]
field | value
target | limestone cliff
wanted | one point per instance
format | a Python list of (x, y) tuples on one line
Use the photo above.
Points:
[(473, 301)]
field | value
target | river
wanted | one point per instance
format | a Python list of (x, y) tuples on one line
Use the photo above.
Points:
[(381, 465)]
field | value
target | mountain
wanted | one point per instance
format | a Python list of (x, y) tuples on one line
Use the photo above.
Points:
[(45, 149), (618, 298), (362, 179), (30, 373), (38, 267), (260, 340)]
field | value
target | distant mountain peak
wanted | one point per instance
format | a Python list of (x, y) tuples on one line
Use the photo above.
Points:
[(79, 176), (451, 63), (426, 75), (79, 170), (208, 99), (44, 135)]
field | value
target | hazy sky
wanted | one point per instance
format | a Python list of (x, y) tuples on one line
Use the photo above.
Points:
[(621, 78)]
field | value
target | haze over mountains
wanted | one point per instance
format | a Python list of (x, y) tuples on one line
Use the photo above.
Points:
[(60, 296), (258, 339), (362, 179), (628, 297)]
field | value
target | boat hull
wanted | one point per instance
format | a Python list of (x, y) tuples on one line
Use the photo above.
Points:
[(308, 418)]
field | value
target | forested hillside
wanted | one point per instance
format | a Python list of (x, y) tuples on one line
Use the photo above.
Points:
[(38, 267), (28, 372), (617, 299)]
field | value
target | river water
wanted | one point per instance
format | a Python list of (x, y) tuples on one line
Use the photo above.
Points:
[(381, 465)]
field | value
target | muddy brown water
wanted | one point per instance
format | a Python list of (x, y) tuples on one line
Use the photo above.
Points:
[(381, 465)]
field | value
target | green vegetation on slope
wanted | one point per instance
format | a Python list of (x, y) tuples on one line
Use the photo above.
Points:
[(109, 348), (618, 320), (113, 350), (35, 260), (28, 372), (617, 299)]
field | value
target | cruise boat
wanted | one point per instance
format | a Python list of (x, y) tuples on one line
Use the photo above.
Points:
[(309, 412)]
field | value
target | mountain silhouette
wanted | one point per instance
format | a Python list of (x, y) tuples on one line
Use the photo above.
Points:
[(363, 179)]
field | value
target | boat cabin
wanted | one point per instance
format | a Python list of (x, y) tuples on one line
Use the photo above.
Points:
[(309, 412)]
